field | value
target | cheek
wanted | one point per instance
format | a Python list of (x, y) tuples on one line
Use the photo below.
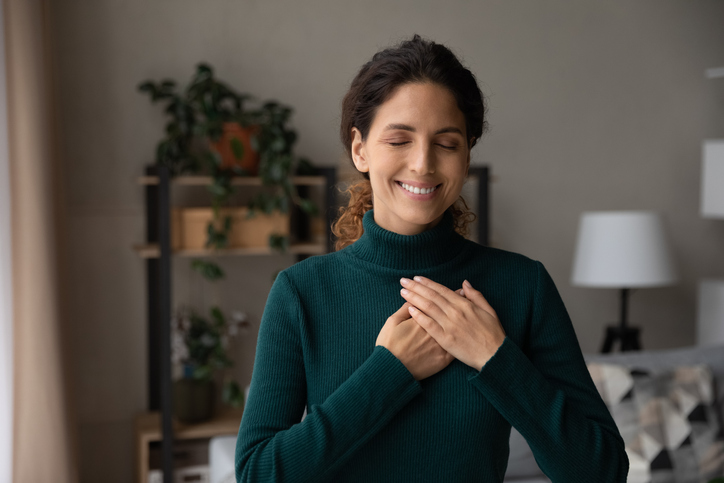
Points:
[(457, 176), (382, 169)]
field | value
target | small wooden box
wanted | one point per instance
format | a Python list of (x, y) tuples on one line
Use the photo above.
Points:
[(189, 227)]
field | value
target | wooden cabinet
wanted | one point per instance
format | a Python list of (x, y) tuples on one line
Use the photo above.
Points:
[(147, 430)]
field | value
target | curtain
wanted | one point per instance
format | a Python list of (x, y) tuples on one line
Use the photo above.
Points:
[(44, 445)]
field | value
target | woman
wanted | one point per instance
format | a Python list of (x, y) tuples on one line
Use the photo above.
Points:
[(414, 349)]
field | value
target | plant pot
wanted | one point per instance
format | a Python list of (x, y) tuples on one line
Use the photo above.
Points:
[(193, 400), (250, 160), (189, 227)]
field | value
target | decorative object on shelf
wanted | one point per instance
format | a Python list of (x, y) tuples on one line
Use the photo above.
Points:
[(198, 349), (624, 250), (188, 225), (234, 147)]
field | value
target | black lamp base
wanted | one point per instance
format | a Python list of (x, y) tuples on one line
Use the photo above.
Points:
[(629, 337)]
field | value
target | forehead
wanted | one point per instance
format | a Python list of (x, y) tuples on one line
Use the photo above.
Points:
[(423, 106)]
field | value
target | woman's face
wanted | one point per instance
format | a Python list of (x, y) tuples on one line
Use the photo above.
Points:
[(416, 155)]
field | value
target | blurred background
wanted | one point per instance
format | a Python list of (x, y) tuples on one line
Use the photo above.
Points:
[(592, 106)]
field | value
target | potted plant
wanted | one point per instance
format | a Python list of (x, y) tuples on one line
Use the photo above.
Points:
[(211, 132), (200, 117), (198, 347)]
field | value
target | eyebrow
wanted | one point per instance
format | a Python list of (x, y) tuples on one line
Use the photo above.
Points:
[(405, 127)]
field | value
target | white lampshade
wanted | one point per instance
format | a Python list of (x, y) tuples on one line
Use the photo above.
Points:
[(622, 249), (712, 179)]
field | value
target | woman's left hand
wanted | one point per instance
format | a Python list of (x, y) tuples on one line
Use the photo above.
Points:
[(463, 322)]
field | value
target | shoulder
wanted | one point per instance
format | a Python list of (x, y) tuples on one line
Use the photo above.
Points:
[(503, 259), (310, 269), (505, 268)]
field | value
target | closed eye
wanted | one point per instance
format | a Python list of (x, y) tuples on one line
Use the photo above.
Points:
[(451, 148), (398, 144)]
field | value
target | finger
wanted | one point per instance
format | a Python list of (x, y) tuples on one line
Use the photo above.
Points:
[(437, 288), (427, 292), (477, 298), (421, 302), (401, 315), (428, 323)]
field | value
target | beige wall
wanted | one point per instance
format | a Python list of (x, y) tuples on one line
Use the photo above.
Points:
[(593, 105)]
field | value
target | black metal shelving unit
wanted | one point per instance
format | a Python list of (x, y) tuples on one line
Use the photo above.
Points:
[(482, 173), (158, 279)]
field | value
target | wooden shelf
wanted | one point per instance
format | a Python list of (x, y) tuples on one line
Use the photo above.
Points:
[(148, 430), (152, 251), (148, 426), (236, 181)]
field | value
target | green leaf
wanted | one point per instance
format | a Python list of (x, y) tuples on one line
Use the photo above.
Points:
[(147, 86), (278, 242), (204, 69), (209, 270), (233, 395), (218, 317), (237, 148), (202, 373), (304, 167), (308, 207)]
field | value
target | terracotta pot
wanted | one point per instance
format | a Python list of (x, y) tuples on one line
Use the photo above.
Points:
[(250, 160), (193, 400)]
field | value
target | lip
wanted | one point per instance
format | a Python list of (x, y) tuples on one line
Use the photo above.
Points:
[(419, 196), (417, 184)]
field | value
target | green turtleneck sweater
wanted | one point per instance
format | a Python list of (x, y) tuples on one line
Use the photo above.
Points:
[(369, 420)]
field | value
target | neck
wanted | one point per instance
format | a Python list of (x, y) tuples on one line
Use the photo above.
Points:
[(424, 250), (403, 228)]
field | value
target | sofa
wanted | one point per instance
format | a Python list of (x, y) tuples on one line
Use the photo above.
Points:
[(522, 467)]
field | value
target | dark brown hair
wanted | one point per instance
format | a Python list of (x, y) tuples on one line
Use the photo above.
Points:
[(412, 61)]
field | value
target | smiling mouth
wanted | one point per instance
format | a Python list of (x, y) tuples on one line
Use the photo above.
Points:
[(416, 190)]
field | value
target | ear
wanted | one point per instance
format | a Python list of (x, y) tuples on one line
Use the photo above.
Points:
[(467, 165), (358, 152)]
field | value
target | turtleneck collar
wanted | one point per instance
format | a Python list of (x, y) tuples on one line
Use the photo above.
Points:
[(428, 249)]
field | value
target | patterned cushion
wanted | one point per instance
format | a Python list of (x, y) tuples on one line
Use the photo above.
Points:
[(667, 420)]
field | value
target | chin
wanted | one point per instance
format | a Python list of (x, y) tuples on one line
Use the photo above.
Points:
[(423, 219)]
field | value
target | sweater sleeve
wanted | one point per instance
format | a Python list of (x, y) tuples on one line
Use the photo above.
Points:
[(549, 397), (272, 444)]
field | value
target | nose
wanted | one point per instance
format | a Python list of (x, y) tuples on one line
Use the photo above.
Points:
[(422, 160)]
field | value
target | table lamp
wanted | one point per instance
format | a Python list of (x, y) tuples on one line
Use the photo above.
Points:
[(710, 313), (624, 250)]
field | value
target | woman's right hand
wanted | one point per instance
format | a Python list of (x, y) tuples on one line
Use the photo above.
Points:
[(412, 345)]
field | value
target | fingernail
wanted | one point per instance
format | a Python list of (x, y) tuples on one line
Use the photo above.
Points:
[(412, 309), (467, 284), (418, 278), (404, 291), (405, 281)]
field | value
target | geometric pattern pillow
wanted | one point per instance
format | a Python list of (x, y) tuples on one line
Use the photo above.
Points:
[(668, 422)]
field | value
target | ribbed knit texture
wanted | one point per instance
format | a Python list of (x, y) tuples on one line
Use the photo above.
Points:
[(370, 421)]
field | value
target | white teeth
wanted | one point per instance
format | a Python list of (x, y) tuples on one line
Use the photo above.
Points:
[(418, 191)]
